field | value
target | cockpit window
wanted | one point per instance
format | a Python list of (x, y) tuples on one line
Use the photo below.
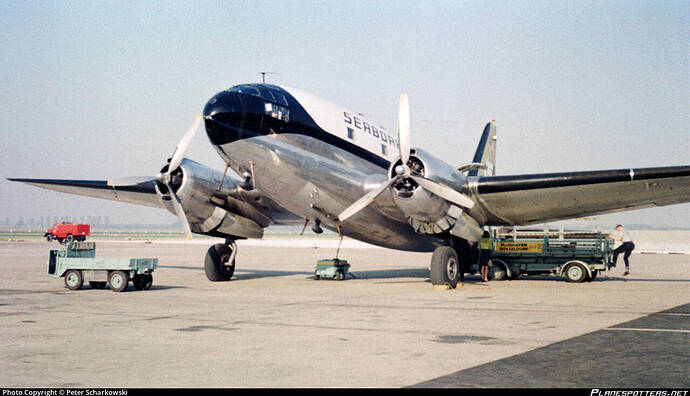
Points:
[(266, 93), (280, 98), (245, 89), (276, 104)]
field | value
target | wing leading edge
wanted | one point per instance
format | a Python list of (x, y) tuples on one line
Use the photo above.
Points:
[(140, 191), (528, 199)]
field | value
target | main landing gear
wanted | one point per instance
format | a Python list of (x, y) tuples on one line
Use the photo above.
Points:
[(220, 261), (447, 263)]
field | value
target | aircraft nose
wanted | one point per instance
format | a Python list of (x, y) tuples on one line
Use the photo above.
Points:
[(223, 102), (221, 113)]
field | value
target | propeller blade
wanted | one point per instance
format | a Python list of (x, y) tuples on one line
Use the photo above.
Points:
[(444, 192), (404, 128), (183, 145), (364, 201), (177, 205)]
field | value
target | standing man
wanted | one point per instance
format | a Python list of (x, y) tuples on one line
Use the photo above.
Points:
[(623, 244)]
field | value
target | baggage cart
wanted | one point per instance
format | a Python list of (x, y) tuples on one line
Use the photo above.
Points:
[(77, 263)]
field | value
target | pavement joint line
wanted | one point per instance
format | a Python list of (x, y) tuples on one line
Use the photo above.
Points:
[(648, 330)]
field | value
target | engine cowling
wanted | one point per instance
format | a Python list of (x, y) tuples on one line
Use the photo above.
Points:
[(205, 204), (426, 212)]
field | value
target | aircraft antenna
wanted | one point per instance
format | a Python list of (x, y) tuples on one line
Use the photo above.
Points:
[(263, 76)]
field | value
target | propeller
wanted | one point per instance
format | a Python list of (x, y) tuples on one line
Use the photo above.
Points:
[(173, 165), (403, 171)]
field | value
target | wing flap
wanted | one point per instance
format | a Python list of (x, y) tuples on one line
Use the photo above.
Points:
[(139, 191), (528, 199)]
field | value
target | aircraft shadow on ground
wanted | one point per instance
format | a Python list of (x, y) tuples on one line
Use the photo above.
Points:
[(246, 274)]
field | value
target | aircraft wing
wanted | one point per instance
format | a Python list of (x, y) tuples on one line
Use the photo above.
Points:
[(136, 190), (538, 198)]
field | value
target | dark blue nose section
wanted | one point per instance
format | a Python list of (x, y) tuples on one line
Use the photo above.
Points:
[(231, 116)]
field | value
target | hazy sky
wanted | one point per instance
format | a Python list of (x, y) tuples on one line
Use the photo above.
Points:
[(105, 89)]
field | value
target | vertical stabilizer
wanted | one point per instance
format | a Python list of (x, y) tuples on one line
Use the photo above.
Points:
[(486, 152)]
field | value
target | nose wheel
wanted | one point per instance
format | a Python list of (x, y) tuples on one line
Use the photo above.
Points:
[(219, 264)]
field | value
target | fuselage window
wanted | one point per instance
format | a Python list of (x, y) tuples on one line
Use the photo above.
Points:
[(384, 149), (351, 133)]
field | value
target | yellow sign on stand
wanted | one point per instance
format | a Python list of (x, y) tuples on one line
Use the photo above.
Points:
[(520, 247)]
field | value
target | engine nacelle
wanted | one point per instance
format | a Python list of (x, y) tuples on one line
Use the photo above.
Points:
[(196, 185), (426, 212)]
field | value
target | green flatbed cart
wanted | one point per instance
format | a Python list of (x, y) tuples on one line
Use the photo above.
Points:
[(331, 269), (77, 263), (578, 256)]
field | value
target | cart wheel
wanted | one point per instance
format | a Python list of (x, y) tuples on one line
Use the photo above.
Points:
[(594, 275), (142, 282), (148, 281), (497, 271), (575, 273), (74, 279), (97, 285), (118, 281)]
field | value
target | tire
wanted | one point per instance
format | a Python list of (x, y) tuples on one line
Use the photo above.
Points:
[(498, 271), (594, 276), (514, 275), (49, 238), (339, 276), (74, 279), (97, 285), (215, 264), (118, 281), (445, 267), (142, 282), (575, 273), (69, 238)]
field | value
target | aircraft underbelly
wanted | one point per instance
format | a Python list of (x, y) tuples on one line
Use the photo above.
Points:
[(314, 179)]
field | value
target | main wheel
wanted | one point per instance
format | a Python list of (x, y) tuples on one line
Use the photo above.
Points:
[(97, 285), (575, 273), (216, 263), (118, 281), (445, 266), (74, 279), (142, 281)]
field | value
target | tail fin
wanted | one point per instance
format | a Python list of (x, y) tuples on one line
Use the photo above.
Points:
[(486, 152)]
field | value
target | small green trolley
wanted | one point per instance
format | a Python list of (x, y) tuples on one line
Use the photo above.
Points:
[(77, 262)]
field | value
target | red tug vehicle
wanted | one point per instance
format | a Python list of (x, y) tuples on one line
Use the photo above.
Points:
[(68, 232)]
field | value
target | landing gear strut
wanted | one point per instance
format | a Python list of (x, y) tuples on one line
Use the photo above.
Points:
[(219, 264)]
